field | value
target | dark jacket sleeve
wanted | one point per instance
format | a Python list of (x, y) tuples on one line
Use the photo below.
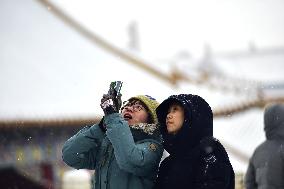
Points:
[(250, 177), (214, 175), (80, 151), (215, 170)]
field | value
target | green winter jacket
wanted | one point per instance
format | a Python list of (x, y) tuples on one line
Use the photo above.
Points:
[(124, 157)]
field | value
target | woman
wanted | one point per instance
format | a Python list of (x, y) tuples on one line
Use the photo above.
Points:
[(124, 148), (196, 160)]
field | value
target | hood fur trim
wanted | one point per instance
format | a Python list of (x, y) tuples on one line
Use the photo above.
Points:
[(145, 127)]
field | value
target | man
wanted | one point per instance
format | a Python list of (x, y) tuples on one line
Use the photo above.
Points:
[(266, 166), (124, 148)]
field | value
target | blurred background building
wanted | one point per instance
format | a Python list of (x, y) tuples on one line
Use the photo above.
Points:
[(57, 58)]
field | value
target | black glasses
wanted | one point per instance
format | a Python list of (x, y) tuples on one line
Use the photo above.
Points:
[(135, 106)]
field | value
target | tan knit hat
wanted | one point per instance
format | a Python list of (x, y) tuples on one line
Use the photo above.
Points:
[(150, 102)]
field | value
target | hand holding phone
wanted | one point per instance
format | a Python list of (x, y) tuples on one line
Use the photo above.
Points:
[(111, 102)]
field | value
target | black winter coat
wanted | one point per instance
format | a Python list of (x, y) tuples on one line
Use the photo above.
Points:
[(197, 160)]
